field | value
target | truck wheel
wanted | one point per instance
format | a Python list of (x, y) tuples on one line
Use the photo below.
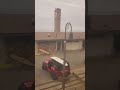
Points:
[(54, 77)]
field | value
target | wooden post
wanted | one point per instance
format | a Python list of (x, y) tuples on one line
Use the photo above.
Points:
[(61, 46), (56, 45)]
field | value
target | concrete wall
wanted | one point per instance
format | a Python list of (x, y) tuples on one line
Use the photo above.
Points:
[(99, 46), (49, 46), (74, 45), (53, 46), (36, 47)]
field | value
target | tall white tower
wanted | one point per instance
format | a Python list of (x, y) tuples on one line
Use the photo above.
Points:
[(57, 20)]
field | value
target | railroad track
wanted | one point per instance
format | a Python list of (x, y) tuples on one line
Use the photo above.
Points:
[(73, 80)]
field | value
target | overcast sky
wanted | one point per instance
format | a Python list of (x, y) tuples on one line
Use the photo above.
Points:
[(72, 11)]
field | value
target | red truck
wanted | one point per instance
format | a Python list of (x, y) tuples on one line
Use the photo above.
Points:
[(55, 66)]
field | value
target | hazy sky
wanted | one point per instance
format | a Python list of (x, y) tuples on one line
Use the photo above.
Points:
[(72, 11)]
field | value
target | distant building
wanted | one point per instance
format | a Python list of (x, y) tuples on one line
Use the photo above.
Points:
[(57, 20), (55, 41)]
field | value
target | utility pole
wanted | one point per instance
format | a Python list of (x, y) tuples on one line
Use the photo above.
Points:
[(70, 37)]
